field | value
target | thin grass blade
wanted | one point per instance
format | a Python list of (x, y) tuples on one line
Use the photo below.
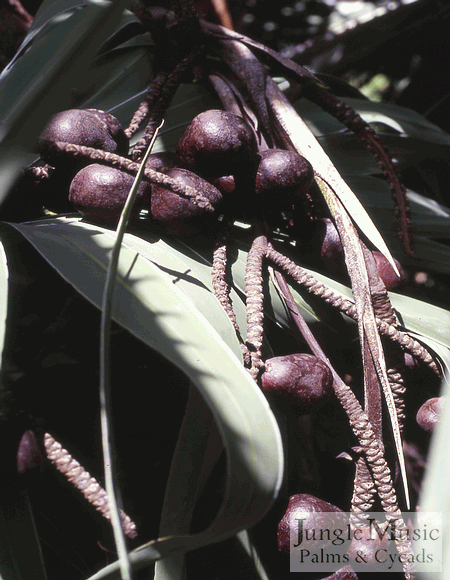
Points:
[(111, 484)]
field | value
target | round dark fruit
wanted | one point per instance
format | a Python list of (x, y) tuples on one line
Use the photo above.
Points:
[(226, 184), (331, 249), (218, 143), (387, 273), (321, 246), (180, 215), (282, 176), (162, 162), (28, 453), (88, 127), (310, 513), (302, 381), (114, 129), (99, 193), (428, 415)]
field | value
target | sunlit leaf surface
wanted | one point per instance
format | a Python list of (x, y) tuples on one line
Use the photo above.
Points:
[(149, 303)]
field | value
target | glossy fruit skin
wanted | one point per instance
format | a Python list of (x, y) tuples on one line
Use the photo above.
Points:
[(226, 184), (99, 193), (309, 509), (322, 247), (331, 247), (428, 415), (301, 381), (218, 143), (281, 177), (179, 215), (386, 271), (114, 129), (88, 127)]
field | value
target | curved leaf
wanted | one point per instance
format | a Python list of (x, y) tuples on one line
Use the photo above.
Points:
[(4, 295), (197, 451), (118, 73), (53, 11), (435, 496), (402, 121), (115, 78), (154, 308), (58, 238)]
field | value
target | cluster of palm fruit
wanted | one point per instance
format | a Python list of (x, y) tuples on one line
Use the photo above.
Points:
[(238, 176), (217, 156)]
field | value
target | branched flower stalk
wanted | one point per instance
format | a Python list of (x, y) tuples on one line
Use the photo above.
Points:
[(92, 491), (152, 96), (351, 119), (252, 74), (379, 468), (254, 65), (364, 490), (379, 475), (346, 306), (157, 101), (254, 302), (221, 289), (132, 167)]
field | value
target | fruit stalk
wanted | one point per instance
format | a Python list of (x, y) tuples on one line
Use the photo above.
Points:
[(255, 300), (221, 289), (145, 106), (362, 428), (347, 307), (84, 482), (164, 91), (132, 167)]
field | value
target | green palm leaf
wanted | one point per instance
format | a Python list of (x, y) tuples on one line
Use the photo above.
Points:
[(40, 81), (151, 306)]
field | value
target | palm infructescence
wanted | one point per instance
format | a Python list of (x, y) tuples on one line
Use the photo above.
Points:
[(201, 311)]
